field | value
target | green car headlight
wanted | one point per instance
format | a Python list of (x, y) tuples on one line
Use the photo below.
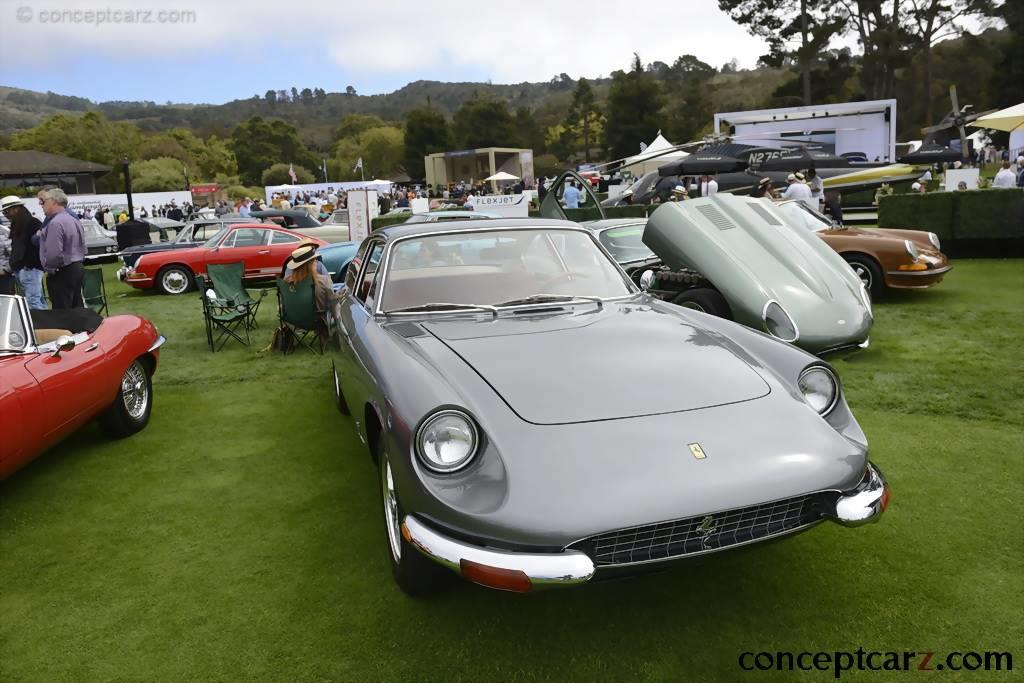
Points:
[(447, 441), (820, 388), (778, 323)]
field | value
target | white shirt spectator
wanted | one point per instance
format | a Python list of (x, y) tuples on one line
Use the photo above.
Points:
[(709, 188), (1005, 178)]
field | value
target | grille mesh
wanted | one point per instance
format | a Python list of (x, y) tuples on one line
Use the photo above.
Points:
[(719, 219), (702, 534)]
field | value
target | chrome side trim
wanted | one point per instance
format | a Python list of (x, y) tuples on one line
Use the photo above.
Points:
[(160, 341), (566, 568), (865, 503)]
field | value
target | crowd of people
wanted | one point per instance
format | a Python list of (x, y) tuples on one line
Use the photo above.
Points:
[(54, 247)]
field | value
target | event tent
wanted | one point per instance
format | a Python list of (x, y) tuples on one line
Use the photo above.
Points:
[(654, 156)]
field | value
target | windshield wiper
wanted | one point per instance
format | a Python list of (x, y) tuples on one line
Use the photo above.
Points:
[(550, 298), (439, 306)]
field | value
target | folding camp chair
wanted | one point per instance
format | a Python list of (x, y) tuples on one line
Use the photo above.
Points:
[(94, 292), (296, 311), (225, 322), (227, 285)]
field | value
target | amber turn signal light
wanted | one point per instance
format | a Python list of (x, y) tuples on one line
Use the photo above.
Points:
[(495, 577)]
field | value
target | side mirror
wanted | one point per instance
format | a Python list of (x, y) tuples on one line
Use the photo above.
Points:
[(646, 280), (64, 343)]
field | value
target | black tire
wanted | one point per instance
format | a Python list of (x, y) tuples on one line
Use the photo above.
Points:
[(170, 278), (339, 398), (869, 272), (131, 409), (706, 300), (412, 571)]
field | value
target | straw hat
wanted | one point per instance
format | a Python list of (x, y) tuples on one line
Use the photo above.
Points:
[(302, 255)]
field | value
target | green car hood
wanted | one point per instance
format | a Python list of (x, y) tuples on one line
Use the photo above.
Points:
[(746, 249)]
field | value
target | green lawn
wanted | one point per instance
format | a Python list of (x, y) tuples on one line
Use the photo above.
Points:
[(239, 537)]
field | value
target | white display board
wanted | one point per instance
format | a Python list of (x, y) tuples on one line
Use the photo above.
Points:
[(615, 190), (955, 175), (509, 205), (362, 209), (420, 205), (81, 202), (348, 186)]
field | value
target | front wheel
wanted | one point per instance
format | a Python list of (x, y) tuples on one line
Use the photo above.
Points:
[(868, 272), (131, 409), (705, 300), (174, 280), (415, 574)]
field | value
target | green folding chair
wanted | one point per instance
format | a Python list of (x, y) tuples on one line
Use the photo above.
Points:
[(227, 280), (222, 323), (94, 292), (296, 311)]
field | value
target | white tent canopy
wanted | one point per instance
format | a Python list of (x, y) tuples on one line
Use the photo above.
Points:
[(501, 175), (654, 156)]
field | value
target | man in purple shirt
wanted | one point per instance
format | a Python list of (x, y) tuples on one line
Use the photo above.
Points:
[(62, 251)]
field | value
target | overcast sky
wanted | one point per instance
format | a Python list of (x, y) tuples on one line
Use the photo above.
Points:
[(231, 49)]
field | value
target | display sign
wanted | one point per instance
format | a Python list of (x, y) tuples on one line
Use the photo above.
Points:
[(420, 205), (510, 205), (362, 209), (79, 203), (954, 176)]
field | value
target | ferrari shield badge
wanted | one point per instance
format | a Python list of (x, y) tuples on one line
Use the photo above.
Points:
[(697, 451)]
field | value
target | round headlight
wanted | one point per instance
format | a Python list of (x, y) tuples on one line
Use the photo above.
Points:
[(934, 239), (778, 323), (911, 249), (447, 441), (819, 387)]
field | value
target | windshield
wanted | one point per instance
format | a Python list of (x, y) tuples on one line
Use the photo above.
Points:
[(13, 335), (624, 243), (803, 217), (92, 230), (492, 267), (212, 242)]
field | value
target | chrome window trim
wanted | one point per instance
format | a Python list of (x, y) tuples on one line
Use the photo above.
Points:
[(371, 243), (26, 318), (389, 246)]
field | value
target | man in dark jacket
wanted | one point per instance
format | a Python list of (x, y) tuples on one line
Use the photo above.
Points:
[(25, 262)]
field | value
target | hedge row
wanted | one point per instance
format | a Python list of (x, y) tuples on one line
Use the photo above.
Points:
[(986, 222)]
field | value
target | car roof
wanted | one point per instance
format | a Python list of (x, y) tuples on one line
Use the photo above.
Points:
[(393, 232), (606, 223), (279, 212)]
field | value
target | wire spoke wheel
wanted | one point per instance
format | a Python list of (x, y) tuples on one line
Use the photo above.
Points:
[(135, 391)]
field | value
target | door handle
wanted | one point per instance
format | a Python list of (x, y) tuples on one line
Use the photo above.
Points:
[(264, 251), (92, 348)]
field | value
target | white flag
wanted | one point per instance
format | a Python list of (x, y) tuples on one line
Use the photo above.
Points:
[(359, 165), (291, 173)]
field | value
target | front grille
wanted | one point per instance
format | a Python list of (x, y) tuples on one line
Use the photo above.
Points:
[(702, 534)]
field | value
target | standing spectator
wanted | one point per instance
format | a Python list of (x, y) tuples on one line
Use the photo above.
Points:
[(817, 187), (174, 213), (834, 206), (571, 196), (62, 251), (6, 274), (1005, 177), (24, 253), (798, 190), (708, 186)]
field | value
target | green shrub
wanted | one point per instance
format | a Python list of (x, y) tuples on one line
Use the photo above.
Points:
[(977, 214), (387, 219)]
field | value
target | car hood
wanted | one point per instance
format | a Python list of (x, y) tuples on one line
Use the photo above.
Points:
[(746, 249), (622, 360)]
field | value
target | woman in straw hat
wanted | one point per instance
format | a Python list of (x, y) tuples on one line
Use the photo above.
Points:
[(303, 264)]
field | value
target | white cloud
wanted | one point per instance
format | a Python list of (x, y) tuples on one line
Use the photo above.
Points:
[(367, 40)]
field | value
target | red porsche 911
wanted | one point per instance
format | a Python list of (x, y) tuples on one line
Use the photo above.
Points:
[(262, 247)]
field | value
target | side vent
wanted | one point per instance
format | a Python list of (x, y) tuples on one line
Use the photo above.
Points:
[(764, 213), (716, 217), (408, 330)]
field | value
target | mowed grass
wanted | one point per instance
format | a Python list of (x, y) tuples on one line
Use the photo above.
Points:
[(238, 537)]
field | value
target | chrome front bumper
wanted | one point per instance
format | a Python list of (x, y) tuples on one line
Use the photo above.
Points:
[(523, 572), (865, 503), (535, 570)]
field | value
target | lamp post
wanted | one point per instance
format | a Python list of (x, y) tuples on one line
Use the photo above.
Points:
[(128, 187)]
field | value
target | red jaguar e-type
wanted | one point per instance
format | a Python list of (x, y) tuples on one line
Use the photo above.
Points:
[(61, 369)]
